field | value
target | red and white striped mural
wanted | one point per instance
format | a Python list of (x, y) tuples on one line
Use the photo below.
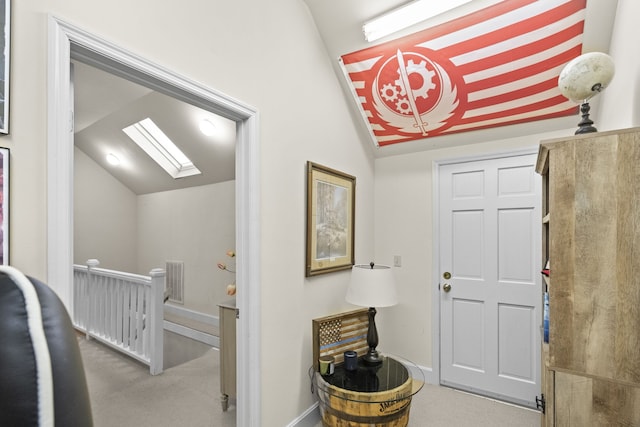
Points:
[(494, 67)]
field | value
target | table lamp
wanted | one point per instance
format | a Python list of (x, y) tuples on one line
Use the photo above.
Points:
[(372, 286), (583, 78)]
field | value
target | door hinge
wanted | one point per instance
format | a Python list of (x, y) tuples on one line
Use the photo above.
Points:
[(541, 403)]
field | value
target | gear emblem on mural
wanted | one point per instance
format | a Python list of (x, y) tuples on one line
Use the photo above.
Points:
[(389, 92), (401, 95), (403, 106), (427, 82), (412, 94), (396, 92)]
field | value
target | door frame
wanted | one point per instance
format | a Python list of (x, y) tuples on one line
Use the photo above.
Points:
[(67, 41), (435, 233)]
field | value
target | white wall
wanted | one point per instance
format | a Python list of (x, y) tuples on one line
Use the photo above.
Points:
[(619, 106), (404, 218), (265, 54), (105, 217), (197, 226), (135, 234)]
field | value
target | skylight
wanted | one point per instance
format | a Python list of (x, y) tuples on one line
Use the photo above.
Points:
[(161, 149)]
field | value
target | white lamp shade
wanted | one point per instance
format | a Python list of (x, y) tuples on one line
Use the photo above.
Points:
[(586, 75), (372, 287)]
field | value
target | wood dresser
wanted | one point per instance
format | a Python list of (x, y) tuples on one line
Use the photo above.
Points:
[(591, 237)]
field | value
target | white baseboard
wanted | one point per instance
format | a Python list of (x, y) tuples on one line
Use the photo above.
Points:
[(309, 418), (430, 377), (193, 315), (211, 340), (206, 319)]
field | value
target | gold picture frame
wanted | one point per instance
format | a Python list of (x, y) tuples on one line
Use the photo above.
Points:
[(331, 197)]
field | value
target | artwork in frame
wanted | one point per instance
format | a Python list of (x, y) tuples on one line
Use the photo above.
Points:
[(5, 48), (331, 199), (4, 206)]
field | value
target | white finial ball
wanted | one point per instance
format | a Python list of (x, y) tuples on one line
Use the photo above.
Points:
[(586, 75)]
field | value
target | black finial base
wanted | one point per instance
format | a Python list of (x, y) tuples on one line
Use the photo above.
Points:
[(586, 124)]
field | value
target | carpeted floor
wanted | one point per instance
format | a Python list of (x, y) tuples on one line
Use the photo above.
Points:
[(444, 407), (436, 406), (187, 394)]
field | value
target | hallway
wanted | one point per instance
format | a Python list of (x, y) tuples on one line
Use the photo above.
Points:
[(186, 394)]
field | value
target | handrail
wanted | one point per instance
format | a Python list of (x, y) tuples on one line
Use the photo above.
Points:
[(123, 310)]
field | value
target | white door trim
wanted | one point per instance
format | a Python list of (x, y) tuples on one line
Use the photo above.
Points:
[(65, 41), (435, 277)]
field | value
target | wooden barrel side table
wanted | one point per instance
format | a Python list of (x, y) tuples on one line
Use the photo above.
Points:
[(379, 395)]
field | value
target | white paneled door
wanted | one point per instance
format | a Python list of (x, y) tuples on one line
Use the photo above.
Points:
[(490, 283)]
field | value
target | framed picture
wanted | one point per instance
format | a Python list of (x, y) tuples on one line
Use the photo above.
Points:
[(4, 206), (331, 199), (5, 48)]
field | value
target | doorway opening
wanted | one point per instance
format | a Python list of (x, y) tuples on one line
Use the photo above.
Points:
[(68, 42)]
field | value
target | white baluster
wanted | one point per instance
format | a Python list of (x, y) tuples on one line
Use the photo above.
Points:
[(156, 317)]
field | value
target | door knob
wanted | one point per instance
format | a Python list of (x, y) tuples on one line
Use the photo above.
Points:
[(446, 287)]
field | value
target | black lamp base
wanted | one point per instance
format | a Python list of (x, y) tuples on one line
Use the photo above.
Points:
[(372, 358), (586, 124)]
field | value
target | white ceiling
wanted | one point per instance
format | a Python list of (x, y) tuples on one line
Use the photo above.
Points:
[(105, 104)]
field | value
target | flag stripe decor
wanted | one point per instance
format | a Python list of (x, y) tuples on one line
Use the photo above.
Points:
[(494, 67)]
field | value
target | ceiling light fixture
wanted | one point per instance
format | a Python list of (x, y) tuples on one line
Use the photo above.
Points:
[(112, 159), (406, 16), (161, 149), (207, 128)]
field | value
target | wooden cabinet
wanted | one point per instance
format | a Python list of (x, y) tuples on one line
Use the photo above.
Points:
[(591, 192), (228, 314)]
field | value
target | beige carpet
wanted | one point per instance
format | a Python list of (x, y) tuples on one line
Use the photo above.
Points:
[(444, 407), (436, 406), (187, 394)]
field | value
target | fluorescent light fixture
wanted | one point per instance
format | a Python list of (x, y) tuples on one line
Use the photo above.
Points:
[(406, 16), (160, 148), (207, 128), (112, 159)]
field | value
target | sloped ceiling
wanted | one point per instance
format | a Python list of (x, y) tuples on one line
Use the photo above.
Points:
[(339, 24), (105, 104)]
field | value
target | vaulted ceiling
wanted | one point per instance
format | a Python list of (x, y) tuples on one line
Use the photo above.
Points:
[(105, 104)]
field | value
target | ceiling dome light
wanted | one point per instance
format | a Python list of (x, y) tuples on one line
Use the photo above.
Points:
[(113, 159), (207, 128)]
